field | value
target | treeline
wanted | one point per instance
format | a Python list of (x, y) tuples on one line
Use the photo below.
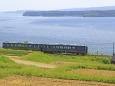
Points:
[(107, 13)]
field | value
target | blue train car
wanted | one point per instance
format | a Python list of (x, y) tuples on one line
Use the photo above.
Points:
[(48, 48), (67, 49), (22, 46)]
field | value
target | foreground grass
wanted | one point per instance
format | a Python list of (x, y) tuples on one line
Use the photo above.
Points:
[(10, 68), (13, 52)]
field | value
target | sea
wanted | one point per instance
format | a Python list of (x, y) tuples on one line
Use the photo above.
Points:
[(98, 33)]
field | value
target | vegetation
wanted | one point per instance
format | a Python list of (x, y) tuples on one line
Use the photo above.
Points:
[(92, 13), (10, 68), (51, 58), (13, 52)]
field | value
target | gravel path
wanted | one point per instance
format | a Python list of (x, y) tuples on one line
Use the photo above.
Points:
[(37, 64)]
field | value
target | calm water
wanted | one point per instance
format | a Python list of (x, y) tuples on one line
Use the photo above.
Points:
[(97, 33)]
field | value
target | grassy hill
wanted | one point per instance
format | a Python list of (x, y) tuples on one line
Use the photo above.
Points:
[(85, 68)]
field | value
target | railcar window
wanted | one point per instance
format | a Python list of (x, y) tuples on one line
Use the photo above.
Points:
[(73, 47), (53, 47), (69, 47), (11, 45), (22, 45), (7, 44), (79, 48), (30, 45), (66, 47), (82, 48), (15, 44), (19, 45), (61, 47), (26, 45)]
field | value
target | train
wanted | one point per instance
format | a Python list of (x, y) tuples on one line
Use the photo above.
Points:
[(48, 48)]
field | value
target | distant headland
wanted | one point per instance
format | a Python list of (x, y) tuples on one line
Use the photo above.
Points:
[(107, 11), (92, 13)]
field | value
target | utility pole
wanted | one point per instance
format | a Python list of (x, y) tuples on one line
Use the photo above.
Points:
[(113, 57), (113, 47)]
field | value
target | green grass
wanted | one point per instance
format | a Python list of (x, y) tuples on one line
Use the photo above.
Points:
[(10, 68), (5, 60), (13, 52), (50, 58)]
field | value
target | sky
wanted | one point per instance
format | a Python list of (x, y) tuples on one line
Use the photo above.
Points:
[(12, 5)]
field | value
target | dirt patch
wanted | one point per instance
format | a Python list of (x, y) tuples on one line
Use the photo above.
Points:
[(37, 64), (37, 81), (93, 72)]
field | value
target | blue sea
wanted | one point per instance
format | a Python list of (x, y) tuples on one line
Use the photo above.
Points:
[(98, 33)]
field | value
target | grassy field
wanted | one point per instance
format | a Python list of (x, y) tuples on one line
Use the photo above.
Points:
[(66, 66), (50, 58), (13, 52)]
